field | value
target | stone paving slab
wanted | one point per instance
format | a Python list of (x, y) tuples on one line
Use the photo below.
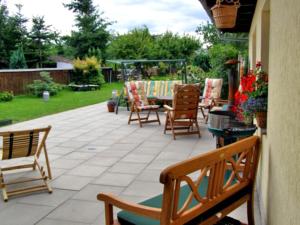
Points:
[(94, 151)]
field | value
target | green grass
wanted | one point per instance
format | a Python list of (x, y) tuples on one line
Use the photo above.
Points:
[(29, 107)]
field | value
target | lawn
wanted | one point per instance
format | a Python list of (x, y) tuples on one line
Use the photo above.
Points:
[(29, 107)]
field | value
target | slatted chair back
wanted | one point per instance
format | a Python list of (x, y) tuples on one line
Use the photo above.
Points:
[(18, 144), (209, 173), (186, 101)]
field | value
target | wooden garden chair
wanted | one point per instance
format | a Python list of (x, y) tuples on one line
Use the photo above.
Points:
[(139, 103), (183, 113), (211, 95), (23, 144), (201, 190)]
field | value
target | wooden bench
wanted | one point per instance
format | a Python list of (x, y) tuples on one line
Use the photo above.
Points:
[(201, 190)]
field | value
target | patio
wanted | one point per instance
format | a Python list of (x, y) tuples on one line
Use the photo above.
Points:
[(93, 151)]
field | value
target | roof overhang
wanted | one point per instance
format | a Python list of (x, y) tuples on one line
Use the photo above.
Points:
[(244, 15)]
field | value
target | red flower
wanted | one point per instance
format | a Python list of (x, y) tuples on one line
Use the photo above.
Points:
[(258, 64)]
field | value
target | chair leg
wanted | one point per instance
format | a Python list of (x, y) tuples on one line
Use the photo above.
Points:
[(42, 172), (129, 120), (202, 111), (197, 126), (3, 186), (47, 162), (172, 127), (139, 118), (166, 123), (250, 213), (157, 117), (148, 114)]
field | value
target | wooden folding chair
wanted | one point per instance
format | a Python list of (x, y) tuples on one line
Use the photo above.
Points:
[(138, 101), (211, 95), (22, 144), (183, 114)]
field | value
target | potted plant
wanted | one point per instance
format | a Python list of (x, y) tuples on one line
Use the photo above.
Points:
[(111, 103), (259, 97), (253, 99)]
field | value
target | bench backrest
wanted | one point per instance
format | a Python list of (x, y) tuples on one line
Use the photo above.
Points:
[(210, 171), (155, 88)]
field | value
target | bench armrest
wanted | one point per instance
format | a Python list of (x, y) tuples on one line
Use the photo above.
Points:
[(110, 199)]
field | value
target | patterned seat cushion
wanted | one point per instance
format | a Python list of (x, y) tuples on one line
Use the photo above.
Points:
[(147, 107), (212, 90)]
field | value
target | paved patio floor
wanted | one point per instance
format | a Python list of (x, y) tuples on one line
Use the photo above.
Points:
[(93, 151)]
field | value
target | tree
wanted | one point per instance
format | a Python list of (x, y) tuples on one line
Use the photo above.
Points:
[(136, 44), (17, 59), (3, 35), (211, 36), (39, 40), (209, 33), (92, 28), (12, 33), (173, 46), (140, 44)]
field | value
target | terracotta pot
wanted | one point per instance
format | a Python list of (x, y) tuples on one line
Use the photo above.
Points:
[(111, 108), (261, 118)]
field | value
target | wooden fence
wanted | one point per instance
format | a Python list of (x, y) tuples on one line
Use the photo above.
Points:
[(17, 80)]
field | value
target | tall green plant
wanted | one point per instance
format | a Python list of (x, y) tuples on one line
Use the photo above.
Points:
[(17, 59), (87, 71), (39, 42), (218, 55), (92, 28)]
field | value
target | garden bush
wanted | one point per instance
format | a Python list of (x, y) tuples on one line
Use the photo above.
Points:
[(87, 71), (45, 84), (6, 96), (218, 55)]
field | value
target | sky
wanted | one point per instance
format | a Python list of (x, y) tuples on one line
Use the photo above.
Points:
[(178, 16)]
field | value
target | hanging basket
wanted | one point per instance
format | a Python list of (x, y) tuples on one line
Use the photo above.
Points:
[(225, 15), (261, 119)]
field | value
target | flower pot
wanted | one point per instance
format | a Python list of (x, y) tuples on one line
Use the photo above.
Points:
[(261, 118), (248, 120), (224, 15), (111, 108)]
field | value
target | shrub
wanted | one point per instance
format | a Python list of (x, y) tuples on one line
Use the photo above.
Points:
[(17, 59), (87, 71), (195, 74), (6, 96), (218, 55), (45, 84)]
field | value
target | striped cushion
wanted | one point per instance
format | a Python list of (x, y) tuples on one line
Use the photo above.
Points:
[(136, 92), (152, 89)]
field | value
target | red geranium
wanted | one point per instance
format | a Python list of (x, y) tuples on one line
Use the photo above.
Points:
[(241, 96)]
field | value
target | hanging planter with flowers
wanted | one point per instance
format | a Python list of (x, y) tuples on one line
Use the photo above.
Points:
[(225, 14)]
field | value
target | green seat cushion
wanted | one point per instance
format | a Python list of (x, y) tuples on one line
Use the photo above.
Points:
[(129, 218)]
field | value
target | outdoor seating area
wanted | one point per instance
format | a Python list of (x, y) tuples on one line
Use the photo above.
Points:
[(149, 112), (91, 152)]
